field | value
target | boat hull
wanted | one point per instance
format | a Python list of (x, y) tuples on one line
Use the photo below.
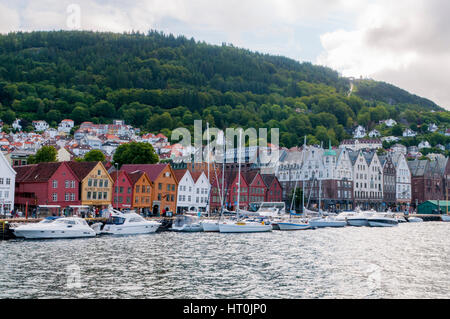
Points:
[(382, 223), (210, 227), (247, 228), (187, 228), (445, 218), (327, 223), (293, 226), (53, 234), (358, 222), (130, 230), (415, 220)]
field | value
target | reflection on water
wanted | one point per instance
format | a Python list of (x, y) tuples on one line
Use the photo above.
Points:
[(409, 261)]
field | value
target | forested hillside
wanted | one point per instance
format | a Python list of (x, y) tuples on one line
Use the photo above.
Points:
[(160, 82)]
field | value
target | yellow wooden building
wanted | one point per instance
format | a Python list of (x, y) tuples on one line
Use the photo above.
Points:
[(95, 183)]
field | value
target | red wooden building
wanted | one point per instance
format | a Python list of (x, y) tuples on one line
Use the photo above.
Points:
[(46, 184), (122, 195)]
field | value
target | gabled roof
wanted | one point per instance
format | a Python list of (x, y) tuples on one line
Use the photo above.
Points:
[(39, 173), (82, 169), (152, 170), (135, 176)]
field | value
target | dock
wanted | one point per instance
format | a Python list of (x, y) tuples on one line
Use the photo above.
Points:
[(428, 217)]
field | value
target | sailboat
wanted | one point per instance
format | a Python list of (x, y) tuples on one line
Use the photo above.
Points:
[(242, 225), (212, 226), (290, 225), (323, 222)]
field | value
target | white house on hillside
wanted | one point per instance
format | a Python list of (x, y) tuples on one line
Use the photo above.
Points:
[(409, 133), (424, 144), (66, 126), (7, 184), (16, 125), (432, 128), (40, 126), (360, 132)]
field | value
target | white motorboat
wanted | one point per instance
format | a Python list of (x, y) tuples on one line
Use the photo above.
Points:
[(401, 219), (187, 223), (382, 220), (292, 225), (323, 222), (244, 227), (415, 220), (445, 218), (128, 224), (56, 228)]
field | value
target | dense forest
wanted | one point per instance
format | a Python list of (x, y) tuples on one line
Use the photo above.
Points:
[(159, 82)]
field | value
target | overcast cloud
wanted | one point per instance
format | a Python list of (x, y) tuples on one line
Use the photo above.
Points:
[(404, 42)]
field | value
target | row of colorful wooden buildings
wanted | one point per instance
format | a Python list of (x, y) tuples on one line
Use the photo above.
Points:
[(149, 188)]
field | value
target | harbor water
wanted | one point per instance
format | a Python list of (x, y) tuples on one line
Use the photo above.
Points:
[(408, 261)]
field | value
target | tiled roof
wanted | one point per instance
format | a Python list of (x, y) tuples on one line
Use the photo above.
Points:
[(152, 170), (41, 172), (81, 169)]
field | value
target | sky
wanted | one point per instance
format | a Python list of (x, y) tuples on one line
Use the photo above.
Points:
[(403, 42)]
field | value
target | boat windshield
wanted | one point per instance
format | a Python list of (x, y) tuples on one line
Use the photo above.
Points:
[(115, 220)]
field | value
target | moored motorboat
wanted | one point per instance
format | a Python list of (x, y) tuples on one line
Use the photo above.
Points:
[(415, 220), (187, 224), (324, 222), (56, 228), (382, 220), (244, 227), (285, 226), (128, 224), (445, 218)]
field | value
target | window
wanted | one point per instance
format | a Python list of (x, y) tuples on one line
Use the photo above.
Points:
[(55, 197), (8, 181), (99, 195), (90, 182), (88, 195), (67, 197), (106, 183), (95, 183), (160, 186), (1, 181), (121, 190), (94, 195), (101, 183), (129, 190), (72, 184), (137, 188), (55, 184), (105, 195), (99, 172), (72, 197)]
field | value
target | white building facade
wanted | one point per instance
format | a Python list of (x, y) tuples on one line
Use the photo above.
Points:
[(7, 185)]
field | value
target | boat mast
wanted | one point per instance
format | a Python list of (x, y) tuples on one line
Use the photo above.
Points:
[(303, 181), (239, 173), (223, 177), (209, 181)]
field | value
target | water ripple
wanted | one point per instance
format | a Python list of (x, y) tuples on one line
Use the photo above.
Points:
[(410, 261)]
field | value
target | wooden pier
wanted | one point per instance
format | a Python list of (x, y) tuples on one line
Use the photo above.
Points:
[(428, 217)]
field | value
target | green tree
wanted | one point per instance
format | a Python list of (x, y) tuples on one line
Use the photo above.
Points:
[(135, 153), (45, 154), (94, 156)]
